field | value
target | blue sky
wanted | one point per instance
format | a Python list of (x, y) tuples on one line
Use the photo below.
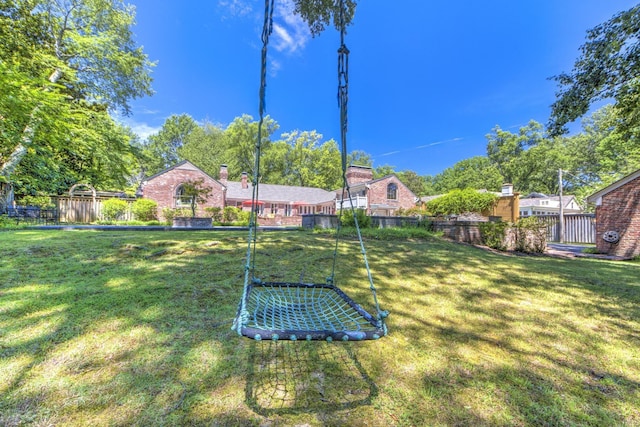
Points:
[(428, 79)]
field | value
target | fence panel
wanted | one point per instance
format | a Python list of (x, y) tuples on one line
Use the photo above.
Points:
[(578, 228), (80, 209)]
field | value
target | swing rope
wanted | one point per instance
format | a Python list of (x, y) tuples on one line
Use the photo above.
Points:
[(343, 101), (282, 310)]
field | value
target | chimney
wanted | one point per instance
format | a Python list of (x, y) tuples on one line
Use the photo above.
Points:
[(244, 180), (224, 174), (507, 189), (356, 174)]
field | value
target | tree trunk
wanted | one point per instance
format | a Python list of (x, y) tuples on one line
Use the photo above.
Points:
[(19, 152)]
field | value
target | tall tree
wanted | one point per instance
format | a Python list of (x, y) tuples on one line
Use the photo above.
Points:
[(414, 182), (163, 147), (383, 170), (311, 163), (360, 158), (508, 152), (204, 146), (476, 172), (80, 52), (240, 139), (607, 68)]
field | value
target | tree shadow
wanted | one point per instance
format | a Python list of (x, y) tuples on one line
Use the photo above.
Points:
[(288, 377)]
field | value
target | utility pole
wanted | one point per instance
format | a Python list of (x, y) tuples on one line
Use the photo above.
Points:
[(561, 217)]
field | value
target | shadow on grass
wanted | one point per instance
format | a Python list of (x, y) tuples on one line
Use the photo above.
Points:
[(134, 329), (306, 377)]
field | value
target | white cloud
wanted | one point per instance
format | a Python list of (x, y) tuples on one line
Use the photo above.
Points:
[(291, 33), (274, 67), (142, 129), (236, 7)]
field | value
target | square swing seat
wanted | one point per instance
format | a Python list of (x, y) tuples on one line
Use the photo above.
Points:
[(304, 311)]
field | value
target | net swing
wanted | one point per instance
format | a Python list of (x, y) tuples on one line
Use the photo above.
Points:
[(296, 310)]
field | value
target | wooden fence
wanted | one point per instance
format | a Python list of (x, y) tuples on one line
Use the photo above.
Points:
[(85, 209), (578, 228)]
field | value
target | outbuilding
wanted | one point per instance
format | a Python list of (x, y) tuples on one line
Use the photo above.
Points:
[(618, 217)]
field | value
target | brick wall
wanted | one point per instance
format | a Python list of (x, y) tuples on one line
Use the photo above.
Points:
[(620, 212), (378, 194), (162, 188), (356, 174)]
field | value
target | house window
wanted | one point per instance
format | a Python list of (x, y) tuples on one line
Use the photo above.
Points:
[(274, 208), (392, 191), (287, 210), (182, 199)]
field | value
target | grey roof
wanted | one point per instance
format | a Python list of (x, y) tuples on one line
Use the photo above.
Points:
[(537, 200), (280, 193)]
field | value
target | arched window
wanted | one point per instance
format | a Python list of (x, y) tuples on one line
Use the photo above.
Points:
[(182, 199), (392, 191)]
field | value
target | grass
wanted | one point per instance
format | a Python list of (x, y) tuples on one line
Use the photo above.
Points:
[(133, 328)]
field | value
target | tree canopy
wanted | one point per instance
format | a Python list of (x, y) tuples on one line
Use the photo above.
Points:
[(608, 68), (65, 65), (320, 13)]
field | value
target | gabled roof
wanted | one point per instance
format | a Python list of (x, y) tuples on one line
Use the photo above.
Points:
[(179, 166), (597, 195), (537, 200), (359, 185), (280, 193)]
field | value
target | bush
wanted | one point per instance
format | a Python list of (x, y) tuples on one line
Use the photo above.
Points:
[(41, 201), (458, 202), (113, 209), (230, 214), (531, 235), (494, 234), (145, 210), (215, 213), (348, 219), (168, 214)]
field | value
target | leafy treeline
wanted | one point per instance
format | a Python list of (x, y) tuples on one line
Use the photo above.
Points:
[(66, 66), (529, 158)]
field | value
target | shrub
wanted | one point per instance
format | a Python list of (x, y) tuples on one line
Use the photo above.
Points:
[(168, 214), (243, 218), (531, 235), (113, 209), (461, 201), (145, 210), (41, 201), (348, 219), (494, 234), (230, 214), (215, 213)]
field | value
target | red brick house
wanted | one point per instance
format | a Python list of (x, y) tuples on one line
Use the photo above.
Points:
[(166, 188), (379, 197), (279, 204), (618, 217)]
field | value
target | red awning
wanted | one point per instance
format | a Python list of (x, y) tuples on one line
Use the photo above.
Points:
[(250, 202), (300, 203)]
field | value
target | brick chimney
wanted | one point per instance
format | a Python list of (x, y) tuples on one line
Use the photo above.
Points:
[(356, 174), (224, 174), (244, 180)]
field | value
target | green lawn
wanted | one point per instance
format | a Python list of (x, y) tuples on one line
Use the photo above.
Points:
[(133, 328)]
